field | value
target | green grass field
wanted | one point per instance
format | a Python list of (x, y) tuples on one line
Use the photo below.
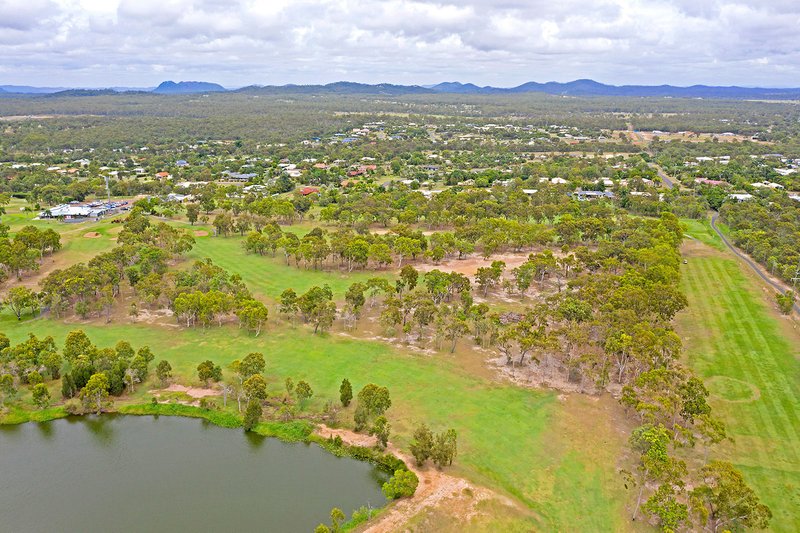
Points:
[(702, 231), (507, 435), (269, 276), (749, 360), (558, 460)]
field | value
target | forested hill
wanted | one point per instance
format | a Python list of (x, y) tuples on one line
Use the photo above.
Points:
[(339, 87)]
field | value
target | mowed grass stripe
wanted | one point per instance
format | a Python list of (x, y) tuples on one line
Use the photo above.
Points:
[(713, 313), (719, 321), (770, 380), (739, 345), (730, 332), (757, 357)]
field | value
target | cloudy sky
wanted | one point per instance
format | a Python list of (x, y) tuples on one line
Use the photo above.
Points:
[(100, 43)]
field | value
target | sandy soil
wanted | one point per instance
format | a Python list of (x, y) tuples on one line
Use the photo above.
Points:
[(200, 233), (384, 231), (528, 375), (471, 264), (153, 316), (194, 392), (453, 495), (91, 235)]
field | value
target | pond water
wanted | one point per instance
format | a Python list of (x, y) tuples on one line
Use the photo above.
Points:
[(137, 473)]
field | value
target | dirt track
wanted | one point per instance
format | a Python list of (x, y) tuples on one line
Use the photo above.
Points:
[(437, 489)]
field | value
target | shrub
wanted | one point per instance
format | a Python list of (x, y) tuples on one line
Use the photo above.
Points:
[(359, 516), (73, 406), (205, 403), (403, 483), (785, 302)]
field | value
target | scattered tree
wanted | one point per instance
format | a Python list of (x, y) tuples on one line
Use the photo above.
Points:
[(345, 392), (163, 372)]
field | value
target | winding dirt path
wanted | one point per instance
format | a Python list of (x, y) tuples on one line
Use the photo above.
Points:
[(436, 489), (772, 282)]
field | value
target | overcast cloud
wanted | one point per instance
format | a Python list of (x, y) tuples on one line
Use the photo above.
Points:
[(94, 43)]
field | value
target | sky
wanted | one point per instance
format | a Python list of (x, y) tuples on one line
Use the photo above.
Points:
[(139, 43)]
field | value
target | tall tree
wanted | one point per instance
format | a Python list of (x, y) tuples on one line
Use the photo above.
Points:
[(95, 394), (373, 401), (345, 392), (423, 444), (724, 501), (252, 364), (163, 372), (21, 298), (380, 429), (303, 392), (252, 414)]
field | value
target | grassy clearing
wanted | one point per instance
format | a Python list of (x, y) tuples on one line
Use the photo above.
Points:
[(750, 361), (702, 231), (508, 437), (269, 276)]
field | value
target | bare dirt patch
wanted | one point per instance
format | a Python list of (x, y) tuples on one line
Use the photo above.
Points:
[(194, 392), (200, 233), (470, 265), (91, 235), (531, 376), (161, 317), (456, 497)]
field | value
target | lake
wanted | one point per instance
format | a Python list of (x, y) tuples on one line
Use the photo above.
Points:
[(140, 473)]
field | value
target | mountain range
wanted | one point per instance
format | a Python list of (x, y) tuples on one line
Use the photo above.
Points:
[(593, 88), (577, 88)]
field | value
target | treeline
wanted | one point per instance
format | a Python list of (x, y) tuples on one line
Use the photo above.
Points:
[(88, 374), (205, 294), (26, 250), (769, 231)]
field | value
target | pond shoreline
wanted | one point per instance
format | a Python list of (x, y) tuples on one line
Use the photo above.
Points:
[(290, 431), (135, 449), (293, 431)]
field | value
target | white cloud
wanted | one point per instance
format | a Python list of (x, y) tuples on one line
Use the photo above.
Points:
[(500, 42)]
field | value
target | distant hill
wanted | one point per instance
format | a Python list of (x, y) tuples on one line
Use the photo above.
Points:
[(339, 87), (188, 87), (27, 89), (460, 88), (82, 92), (594, 88)]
